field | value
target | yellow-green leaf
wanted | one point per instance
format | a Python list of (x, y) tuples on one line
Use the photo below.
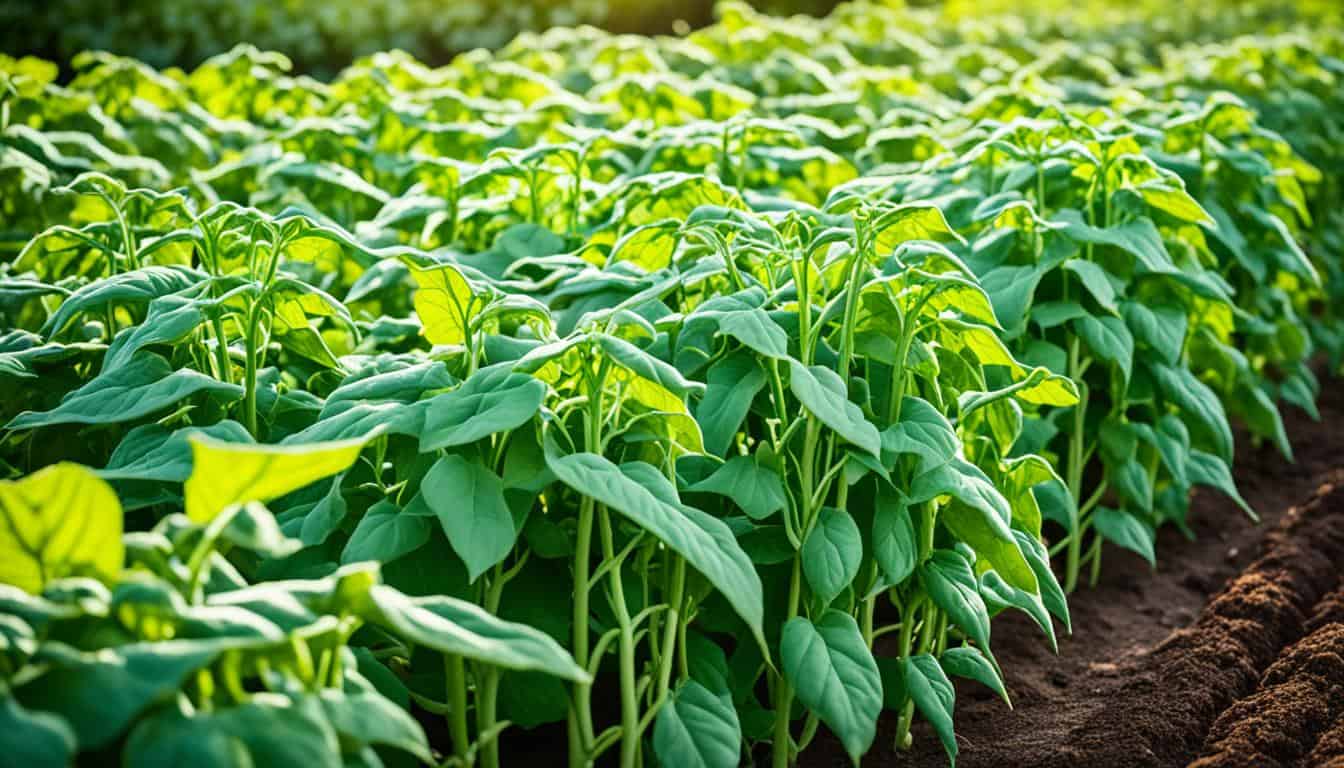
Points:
[(443, 300), (224, 474), (59, 521)]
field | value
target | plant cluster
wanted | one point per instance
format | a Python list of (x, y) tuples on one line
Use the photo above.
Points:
[(735, 380)]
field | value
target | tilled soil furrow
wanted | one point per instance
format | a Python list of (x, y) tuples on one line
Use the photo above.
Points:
[(1300, 697), (1170, 697)]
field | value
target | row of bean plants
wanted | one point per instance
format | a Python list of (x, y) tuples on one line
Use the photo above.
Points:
[(691, 394)]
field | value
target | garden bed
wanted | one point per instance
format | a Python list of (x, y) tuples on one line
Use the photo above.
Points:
[(1223, 654)]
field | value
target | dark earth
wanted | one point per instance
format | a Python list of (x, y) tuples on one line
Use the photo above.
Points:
[(1231, 654)]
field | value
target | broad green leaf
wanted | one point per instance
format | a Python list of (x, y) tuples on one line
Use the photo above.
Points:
[(927, 685), (823, 393), (153, 452), (385, 533), (648, 500), (34, 739), (832, 553), (756, 489), (1161, 328), (493, 400), (224, 474), (992, 539), (144, 385), (369, 718), (895, 547), (922, 431), (1125, 530), (444, 302), (732, 385), (697, 729), (950, 583), (833, 672), (1200, 404), (100, 693), (59, 521), (1110, 340), (1096, 281), (967, 662), (1207, 469), (468, 499), (135, 287), (453, 626), (754, 328)]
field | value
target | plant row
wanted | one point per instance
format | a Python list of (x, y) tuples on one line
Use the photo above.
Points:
[(693, 393)]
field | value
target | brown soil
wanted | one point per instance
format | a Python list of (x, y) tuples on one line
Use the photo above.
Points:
[(1300, 696), (1157, 657)]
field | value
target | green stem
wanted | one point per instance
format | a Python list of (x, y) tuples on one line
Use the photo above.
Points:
[(487, 702), (626, 648), (455, 680), (903, 740), (1074, 470), (250, 371), (781, 747)]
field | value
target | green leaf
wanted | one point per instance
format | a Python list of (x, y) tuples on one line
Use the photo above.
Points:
[(832, 553), (154, 452), (100, 693), (493, 400), (823, 393), (833, 672), (895, 547), (934, 697), (445, 303), (968, 662), (170, 739), (1096, 280), (469, 501), (922, 431), (136, 287), (1125, 530), (59, 521), (648, 499), (646, 366), (1052, 594), (732, 384), (142, 386), (754, 328), (279, 731), (756, 489), (1110, 340), (370, 719), (1200, 404), (1161, 328), (1207, 469), (34, 739), (224, 474), (992, 539), (950, 583), (697, 729), (385, 533), (453, 626)]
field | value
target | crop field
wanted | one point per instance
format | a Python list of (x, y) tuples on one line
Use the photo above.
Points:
[(908, 385)]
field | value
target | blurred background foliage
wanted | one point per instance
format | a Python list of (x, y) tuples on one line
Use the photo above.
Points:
[(321, 37)]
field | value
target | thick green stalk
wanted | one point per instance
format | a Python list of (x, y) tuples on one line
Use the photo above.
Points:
[(580, 719), (487, 703), (781, 747), (250, 372), (625, 648), (455, 681), (1074, 470), (903, 740)]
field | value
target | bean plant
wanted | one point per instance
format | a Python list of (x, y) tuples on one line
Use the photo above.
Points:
[(693, 401)]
